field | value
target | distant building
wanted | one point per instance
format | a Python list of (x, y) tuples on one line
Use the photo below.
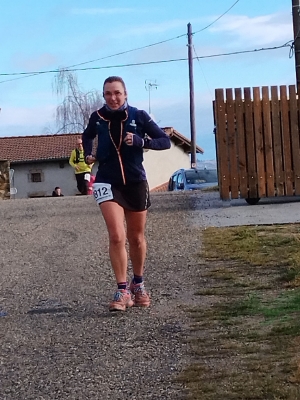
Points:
[(40, 163), (207, 164)]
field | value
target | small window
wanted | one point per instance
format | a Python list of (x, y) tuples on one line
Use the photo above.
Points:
[(36, 177), (179, 179), (174, 182)]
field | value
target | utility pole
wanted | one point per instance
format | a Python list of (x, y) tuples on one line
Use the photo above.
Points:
[(150, 86), (192, 106), (296, 26)]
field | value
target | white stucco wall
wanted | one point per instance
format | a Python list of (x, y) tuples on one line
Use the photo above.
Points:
[(160, 165), (53, 176)]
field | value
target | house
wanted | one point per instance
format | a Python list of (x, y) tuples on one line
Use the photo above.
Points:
[(40, 163)]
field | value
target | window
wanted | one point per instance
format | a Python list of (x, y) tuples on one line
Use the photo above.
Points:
[(174, 182), (194, 177), (179, 179), (202, 176), (36, 177)]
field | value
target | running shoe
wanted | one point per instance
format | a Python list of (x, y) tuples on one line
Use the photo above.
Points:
[(121, 300), (141, 297)]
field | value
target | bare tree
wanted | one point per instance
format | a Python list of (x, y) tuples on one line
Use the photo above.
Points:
[(72, 115)]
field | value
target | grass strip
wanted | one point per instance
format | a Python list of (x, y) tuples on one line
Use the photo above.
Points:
[(245, 336)]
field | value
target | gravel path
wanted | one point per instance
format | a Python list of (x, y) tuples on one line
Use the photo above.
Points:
[(58, 340)]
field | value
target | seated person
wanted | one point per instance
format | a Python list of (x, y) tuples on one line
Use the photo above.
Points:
[(57, 192)]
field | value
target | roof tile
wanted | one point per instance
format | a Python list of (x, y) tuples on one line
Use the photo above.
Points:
[(39, 147)]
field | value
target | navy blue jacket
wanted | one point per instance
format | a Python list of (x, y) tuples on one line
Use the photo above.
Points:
[(122, 164)]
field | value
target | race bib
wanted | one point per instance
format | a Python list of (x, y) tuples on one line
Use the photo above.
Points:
[(102, 192), (87, 177)]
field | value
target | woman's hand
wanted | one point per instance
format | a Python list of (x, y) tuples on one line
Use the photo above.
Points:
[(133, 140), (90, 160)]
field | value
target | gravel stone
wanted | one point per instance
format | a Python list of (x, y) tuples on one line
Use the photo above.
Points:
[(58, 339)]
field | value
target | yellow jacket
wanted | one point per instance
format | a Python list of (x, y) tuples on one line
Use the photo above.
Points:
[(82, 166)]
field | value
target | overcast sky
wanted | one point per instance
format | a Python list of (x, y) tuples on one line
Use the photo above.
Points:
[(43, 36)]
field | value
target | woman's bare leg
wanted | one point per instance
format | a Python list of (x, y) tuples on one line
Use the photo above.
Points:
[(136, 222), (113, 215)]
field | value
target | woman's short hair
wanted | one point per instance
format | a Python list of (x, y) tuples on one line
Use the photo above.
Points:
[(112, 79)]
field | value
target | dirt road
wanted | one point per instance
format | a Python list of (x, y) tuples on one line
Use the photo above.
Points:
[(58, 340)]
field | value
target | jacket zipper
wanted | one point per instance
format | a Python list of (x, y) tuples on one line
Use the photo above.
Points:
[(120, 143), (118, 151)]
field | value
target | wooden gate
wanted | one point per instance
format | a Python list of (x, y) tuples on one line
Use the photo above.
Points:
[(257, 142)]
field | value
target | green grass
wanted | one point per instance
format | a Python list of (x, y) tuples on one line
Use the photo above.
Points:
[(245, 344)]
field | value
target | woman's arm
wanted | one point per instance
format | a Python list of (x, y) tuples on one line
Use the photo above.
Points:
[(89, 135), (156, 138)]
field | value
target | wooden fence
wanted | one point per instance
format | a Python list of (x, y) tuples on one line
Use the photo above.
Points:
[(257, 142)]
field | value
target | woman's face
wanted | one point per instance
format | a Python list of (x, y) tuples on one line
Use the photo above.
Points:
[(114, 94)]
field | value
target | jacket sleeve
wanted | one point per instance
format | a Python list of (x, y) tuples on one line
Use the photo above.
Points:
[(89, 135), (72, 159), (155, 137)]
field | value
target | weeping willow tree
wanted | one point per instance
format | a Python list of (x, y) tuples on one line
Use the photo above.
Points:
[(72, 114)]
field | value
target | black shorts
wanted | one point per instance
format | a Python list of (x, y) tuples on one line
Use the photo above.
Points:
[(133, 196)]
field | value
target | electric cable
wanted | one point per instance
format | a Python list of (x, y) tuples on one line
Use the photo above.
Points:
[(147, 62), (126, 51), (153, 44), (217, 19), (203, 72)]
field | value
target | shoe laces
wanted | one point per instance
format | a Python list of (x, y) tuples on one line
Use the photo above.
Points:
[(140, 289), (118, 295)]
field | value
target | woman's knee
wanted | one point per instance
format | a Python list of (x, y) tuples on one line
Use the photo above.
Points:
[(117, 238), (136, 240)]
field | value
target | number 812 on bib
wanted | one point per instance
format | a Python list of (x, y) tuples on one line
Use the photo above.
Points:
[(102, 192)]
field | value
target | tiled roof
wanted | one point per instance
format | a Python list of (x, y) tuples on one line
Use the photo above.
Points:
[(181, 140), (37, 148), (160, 188), (57, 147)]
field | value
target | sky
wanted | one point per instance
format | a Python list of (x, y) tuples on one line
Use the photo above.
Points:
[(45, 36)]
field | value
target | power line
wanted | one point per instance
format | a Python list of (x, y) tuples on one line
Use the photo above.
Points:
[(202, 71), (128, 51), (153, 44), (146, 63), (120, 53), (217, 19), (20, 77)]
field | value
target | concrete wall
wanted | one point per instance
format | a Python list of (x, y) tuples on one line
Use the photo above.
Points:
[(52, 175), (4, 180), (160, 165)]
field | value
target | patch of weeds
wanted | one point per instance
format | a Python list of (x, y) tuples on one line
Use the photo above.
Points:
[(286, 303), (250, 305), (247, 340), (275, 245)]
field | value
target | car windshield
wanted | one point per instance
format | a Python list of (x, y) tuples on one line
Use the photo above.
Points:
[(201, 176)]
